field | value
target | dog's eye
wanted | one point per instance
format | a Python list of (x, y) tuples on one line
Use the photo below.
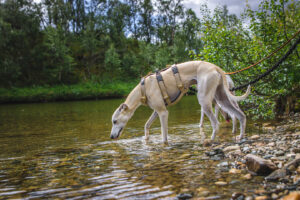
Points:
[(115, 121)]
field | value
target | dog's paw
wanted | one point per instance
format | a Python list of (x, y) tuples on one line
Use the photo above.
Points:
[(207, 142), (238, 138)]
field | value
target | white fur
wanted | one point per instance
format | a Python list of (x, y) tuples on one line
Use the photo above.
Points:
[(211, 84)]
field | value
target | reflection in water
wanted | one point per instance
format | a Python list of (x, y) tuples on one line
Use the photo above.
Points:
[(63, 150)]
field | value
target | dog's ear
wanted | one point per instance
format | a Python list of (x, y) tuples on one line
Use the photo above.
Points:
[(123, 107)]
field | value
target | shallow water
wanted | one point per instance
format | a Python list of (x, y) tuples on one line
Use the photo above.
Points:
[(63, 150)]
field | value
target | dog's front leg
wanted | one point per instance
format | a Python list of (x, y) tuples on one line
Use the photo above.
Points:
[(163, 116), (153, 116)]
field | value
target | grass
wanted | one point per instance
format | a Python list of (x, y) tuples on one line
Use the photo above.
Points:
[(89, 90)]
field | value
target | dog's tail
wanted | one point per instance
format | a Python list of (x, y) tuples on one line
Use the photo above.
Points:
[(226, 88)]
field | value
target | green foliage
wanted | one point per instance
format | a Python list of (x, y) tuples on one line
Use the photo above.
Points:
[(231, 46), (58, 62)]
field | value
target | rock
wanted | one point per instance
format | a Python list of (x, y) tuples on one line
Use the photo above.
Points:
[(268, 156), (234, 171), (246, 149), (254, 137), (259, 165), (271, 144), (274, 196), (296, 150), (296, 179), (279, 153), (202, 191), (261, 198), (231, 148), (283, 172), (223, 164), (237, 196), (184, 196), (292, 196), (247, 176), (215, 152), (278, 174), (207, 143), (221, 183), (291, 155)]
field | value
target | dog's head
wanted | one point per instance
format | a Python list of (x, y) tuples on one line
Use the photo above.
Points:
[(119, 120)]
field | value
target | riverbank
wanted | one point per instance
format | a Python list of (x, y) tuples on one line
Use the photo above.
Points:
[(274, 156), (82, 91)]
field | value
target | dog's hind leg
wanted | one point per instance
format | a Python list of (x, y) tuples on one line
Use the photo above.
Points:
[(153, 116), (213, 120), (231, 108), (217, 108), (206, 92), (163, 117), (233, 123), (201, 118)]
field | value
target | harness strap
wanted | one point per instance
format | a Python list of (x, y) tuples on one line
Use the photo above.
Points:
[(143, 91), (162, 87), (178, 79)]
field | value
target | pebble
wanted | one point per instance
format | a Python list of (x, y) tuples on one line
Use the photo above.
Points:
[(234, 171), (292, 196), (231, 148), (247, 176), (254, 137), (261, 198), (223, 164), (279, 153), (221, 183), (184, 196)]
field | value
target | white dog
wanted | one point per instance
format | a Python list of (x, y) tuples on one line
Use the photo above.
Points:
[(161, 90)]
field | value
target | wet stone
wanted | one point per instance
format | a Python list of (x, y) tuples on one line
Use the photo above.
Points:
[(231, 148), (261, 198), (259, 165), (221, 183), (268, 156), (184, 196), (279, 153), (292, 196), (237, 196), (247, 176), (223, 164)]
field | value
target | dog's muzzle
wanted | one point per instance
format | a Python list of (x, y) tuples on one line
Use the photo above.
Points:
[(114, 137)]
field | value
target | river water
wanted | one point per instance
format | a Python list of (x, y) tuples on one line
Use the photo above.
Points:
[(63, 150)]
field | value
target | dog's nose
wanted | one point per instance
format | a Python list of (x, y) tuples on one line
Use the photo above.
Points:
[(112, 137)]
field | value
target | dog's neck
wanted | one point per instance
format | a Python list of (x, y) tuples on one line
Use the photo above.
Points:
[(133, 100)]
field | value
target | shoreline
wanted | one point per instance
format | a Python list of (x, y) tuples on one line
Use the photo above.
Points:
[(81, 91)]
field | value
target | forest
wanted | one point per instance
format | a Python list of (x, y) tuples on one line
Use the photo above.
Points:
[(75, 49)]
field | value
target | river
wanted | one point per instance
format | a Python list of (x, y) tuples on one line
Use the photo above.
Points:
[(62, 150)]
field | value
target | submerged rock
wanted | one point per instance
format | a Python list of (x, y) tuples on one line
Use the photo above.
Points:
[(237, 196), (259, 165), (292, 196), (184, 196), (221, 183), (231, 148)]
